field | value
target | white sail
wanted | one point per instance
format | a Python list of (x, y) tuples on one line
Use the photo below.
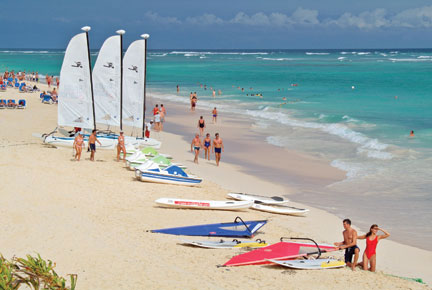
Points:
[(133, 84), (75, 102), (106, 82)]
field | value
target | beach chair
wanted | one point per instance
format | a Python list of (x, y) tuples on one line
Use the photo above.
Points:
[(11, 104), (22, 88), (17, 84), (21, 104), (47, 99), (2, 87), (3, 104)]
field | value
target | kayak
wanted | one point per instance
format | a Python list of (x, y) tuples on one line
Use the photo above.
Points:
[(259, 198), (280, 209), (317, 264)]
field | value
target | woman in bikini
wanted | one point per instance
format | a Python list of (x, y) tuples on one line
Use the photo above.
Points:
[(78, 145), (201, 125), (369, 255), (207, 145)]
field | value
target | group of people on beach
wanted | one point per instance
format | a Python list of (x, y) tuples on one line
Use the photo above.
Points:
[(216, 147), (349, 243), (159, 114)]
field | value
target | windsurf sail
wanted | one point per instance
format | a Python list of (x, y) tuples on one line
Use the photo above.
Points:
[(238, 228), (106, 82), (133, 84), (75, 106), (280, 251)]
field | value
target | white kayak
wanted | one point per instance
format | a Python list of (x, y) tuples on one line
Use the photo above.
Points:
[(203, 204), (260, 198), (280, 209), (221, 244), (317, 264)]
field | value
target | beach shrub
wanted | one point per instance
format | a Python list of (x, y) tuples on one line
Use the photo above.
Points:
[(33, 272)]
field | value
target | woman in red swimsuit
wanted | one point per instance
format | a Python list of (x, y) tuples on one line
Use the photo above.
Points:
[(369, 255)]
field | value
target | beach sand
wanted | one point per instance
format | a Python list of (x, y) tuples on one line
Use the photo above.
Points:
[(92, 218)]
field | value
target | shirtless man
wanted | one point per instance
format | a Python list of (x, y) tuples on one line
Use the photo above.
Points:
[(214, 113), (121, 146), (349, 244), (78, 145), (217, 148), (196, 144), (92, 143)]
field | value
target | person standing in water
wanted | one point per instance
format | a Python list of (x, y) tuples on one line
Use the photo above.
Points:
[(207, 146), (218, 148), (214, 113), (121, 147), (412, 133), (78, 145), (349, 244), (92, 143), (196, 145), (178, 89), (369, 255), (201, 125)]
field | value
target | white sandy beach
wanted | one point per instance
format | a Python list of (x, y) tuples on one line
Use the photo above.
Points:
[(91, 218)]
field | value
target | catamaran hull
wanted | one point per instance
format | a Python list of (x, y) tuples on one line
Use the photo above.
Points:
[(68, 142)]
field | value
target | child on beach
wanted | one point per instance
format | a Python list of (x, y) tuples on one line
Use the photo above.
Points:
[(207, 145), (196, 144), (369, 255)]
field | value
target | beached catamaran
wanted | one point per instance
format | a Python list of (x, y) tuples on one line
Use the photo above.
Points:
[(101, 98)]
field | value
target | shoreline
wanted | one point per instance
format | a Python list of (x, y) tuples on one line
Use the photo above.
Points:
[(83, 214), (285, 170)]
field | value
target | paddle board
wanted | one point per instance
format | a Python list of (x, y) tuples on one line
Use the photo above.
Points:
[(281, 209), (260, 198), (317, 264), (221, 244), (203, 204)]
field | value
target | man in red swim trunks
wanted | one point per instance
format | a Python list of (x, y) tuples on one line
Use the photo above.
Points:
[(349, 244), (155, 109)]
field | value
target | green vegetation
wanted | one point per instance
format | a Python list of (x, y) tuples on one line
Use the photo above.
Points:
[(34, 272)]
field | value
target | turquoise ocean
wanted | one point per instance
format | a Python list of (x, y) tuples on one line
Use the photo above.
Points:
[(354, 108)]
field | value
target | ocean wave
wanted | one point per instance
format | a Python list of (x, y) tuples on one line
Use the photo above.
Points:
[(218, 53), (275, 140), (278, 59), (158, 55), (339, 130), (363, 53), (410, 59), (425, 57), (317, 53), (352, 170), (341, 58)]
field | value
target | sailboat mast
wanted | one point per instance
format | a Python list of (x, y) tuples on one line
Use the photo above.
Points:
[(121, 32), (145, 36), (87, 29)]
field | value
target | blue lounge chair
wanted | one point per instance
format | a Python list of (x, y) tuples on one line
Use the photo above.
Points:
[(11, 104), (3, 104), (47, 99), (21, 88), (21, 104)]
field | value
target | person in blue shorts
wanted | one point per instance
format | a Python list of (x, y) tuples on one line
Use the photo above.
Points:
[(218, 148)]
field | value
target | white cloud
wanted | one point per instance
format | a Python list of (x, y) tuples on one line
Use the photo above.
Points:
[(155, 17), (378, 18), (205, 19)]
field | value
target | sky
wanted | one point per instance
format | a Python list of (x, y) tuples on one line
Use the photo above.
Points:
[(223, 24)]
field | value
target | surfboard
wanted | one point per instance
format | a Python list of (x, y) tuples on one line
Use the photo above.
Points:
[(281, 209), (203, 204), (317, 264), (238, 228), (260, 198), (221, 244)]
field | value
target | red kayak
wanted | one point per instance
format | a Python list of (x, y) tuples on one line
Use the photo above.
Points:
[(280, 251)]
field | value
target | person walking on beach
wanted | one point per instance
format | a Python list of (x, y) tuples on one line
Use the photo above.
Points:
[(155, 109), (57, 82), (214, 113), (207, 145), (78, 145), (157, 121), (148, 129), (121, 147), (369, 255), (201, 125), (196, 145), (92, 143), (218, 148), (349, 244)]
